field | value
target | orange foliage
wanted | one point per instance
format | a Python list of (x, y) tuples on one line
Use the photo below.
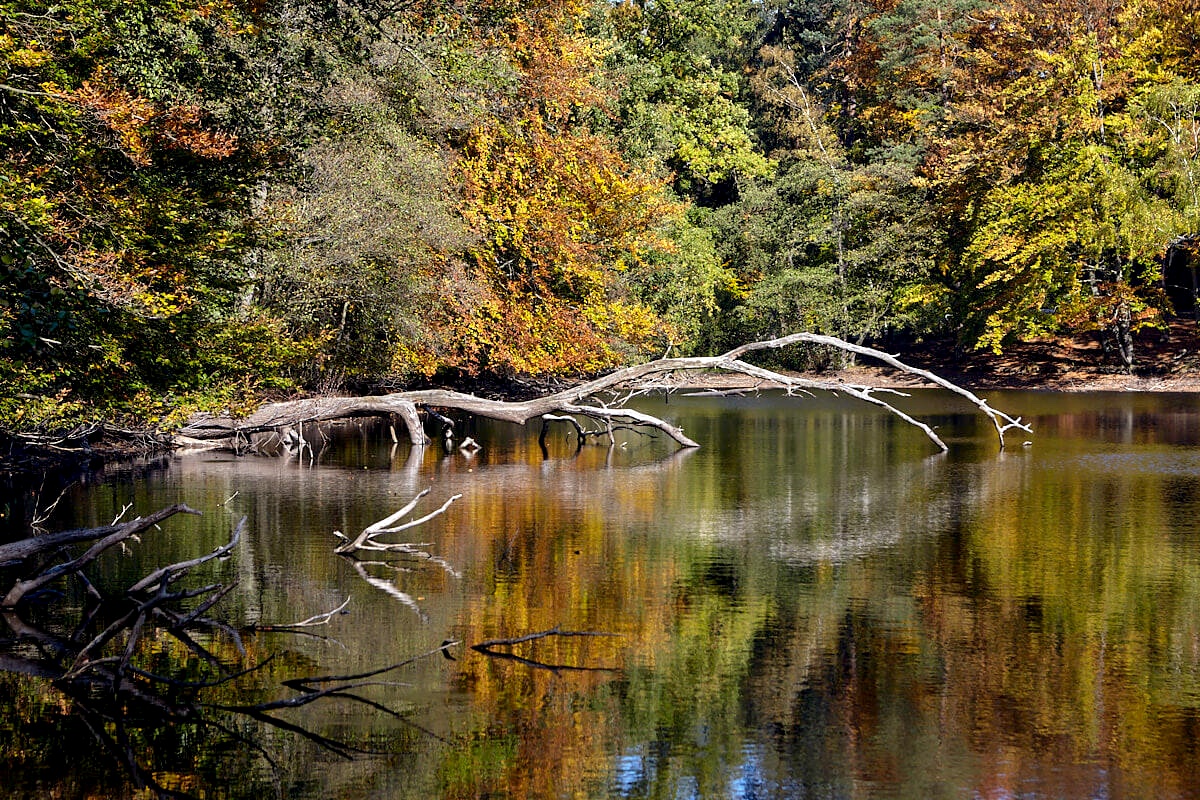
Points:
[(140, 126), (560, 215), (127, 116), (181, 130)]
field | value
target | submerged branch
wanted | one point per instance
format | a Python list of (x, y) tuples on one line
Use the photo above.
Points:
[(314, 620), (488, 648), (103, 667), (108, 537)]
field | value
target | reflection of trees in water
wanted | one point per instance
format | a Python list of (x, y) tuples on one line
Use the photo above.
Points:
[(783, 621), (982, 647), (1018, 652), (144, 675), (172, 714)]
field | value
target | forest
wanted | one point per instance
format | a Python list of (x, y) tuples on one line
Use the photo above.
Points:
[(205, 204)]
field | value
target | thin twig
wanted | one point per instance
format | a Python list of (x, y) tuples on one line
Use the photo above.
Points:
[(316, 619)]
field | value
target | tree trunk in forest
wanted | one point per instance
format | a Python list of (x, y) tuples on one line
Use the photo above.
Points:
[(652, 376), (1123, 328), (1116, 337)]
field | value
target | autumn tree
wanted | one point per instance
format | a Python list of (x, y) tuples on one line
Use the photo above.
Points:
[(365, 222), (562, 219), (123, 202), (1073, 235), (1042, 179), (832, 238)]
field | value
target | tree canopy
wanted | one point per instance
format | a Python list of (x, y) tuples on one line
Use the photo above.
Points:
[(204, 202)]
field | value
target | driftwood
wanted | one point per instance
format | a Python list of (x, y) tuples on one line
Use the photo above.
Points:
[(651, 376), (35, 545), (96, 657), (367, 540), (107, 537), (314, 621)]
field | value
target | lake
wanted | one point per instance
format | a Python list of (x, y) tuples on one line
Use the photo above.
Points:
[(814, 604)]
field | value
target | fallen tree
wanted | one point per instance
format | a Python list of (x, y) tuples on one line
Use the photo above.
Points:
[(285, 420)]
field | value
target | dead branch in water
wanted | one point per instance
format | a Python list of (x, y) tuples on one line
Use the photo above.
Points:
[(367, 539), (108, 537), (311, 622), (107, 662), (640, 378)]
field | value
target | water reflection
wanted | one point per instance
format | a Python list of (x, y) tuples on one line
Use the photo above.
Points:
[(812, 604)]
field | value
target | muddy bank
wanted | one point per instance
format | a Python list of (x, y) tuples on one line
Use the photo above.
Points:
[(1167, 361)]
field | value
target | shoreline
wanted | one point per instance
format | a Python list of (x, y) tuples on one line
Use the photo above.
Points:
[(1028, 368), (885, 378)]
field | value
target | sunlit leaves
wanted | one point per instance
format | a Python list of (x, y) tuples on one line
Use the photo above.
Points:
[(675, 67), (1045, 166), (562, 216), (1063, 250), (123, 192)]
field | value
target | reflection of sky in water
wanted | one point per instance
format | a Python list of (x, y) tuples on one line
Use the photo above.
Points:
[(748, 782), (635, 774)]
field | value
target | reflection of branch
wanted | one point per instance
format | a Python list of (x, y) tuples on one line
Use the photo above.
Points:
[(121, 750), (341, 686), (540, 665), (388, 588), (332, 745), (487, 649), (396, 715), (121, 700), (306, 684)]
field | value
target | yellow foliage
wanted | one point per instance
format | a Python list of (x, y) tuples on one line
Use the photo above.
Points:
[(560, 213)]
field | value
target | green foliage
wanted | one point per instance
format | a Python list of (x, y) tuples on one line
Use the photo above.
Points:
[(124, 202), (217, 200), (836, 239), (677, 67), (682, 282), (829, 251), (1047, 155), (363, 238), (1050, 252)]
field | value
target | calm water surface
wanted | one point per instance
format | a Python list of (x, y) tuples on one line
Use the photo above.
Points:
[(813, 604)]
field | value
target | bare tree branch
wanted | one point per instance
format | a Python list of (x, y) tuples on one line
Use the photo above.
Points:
[(164, 575), (316, 619), (649, 376), (111, 535), (367, 541)]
